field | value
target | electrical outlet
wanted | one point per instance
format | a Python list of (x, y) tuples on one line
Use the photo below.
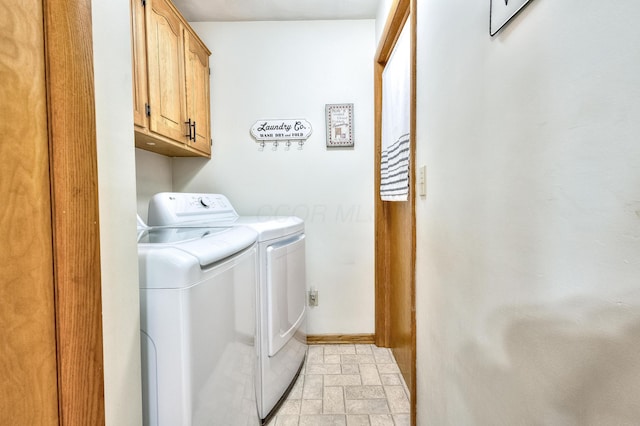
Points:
[(313, 297)]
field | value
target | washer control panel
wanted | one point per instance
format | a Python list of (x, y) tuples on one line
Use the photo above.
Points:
[(197, 202), (175, 208), (205, 201)]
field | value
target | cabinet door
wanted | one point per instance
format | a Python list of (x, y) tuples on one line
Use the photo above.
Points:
[(197, 86), (139, 60), (28, 376), (165, 73)]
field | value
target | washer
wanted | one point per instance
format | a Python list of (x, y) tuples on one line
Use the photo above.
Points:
[(281, 284), (198, 325)]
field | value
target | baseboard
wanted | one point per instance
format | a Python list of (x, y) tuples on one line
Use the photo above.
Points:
[(325, 339)]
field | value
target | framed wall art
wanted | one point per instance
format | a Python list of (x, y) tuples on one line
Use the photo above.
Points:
[(502, 11), (339, 125)]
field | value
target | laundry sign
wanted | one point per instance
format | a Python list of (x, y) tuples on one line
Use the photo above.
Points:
[(281, 130)]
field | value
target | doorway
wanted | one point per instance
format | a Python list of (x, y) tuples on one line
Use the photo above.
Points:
[(395, 229)]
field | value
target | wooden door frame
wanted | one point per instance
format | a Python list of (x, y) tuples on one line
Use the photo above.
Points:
[(74, 211), (402, 12)]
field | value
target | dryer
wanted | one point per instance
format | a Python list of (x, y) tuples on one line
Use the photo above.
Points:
[(281, 309), (198, 327)]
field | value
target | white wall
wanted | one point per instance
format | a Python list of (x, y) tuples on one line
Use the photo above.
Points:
[(117, 204), (528, 259), (291, 70), (154, 174)]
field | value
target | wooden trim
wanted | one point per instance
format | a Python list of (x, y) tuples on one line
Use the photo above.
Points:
[(326, 339), (414, 40), (381, 249), (74, 190), (398, 15)]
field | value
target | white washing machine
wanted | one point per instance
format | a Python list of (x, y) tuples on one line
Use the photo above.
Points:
[(198, 325), (281, 284)]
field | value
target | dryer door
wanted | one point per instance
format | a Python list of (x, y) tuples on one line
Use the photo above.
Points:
[(286, 288)]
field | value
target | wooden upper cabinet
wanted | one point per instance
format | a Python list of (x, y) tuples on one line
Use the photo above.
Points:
[(171, 82), (197, 85), (165, 75), (139, 61)]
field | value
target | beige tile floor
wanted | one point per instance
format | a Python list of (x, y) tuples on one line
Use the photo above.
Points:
[(348, 385)]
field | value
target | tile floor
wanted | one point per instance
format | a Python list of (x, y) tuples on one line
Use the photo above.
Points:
[(348, 385)]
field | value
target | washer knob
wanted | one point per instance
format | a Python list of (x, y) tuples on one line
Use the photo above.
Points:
[(205, 201)]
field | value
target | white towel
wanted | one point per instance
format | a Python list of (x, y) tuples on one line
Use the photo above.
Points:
[(396, 114)]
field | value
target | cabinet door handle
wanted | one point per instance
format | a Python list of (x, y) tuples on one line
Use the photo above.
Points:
[(189, 126), (194, 131)]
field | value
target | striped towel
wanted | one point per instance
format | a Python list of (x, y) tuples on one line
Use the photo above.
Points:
[(394, 183), (396, 113)]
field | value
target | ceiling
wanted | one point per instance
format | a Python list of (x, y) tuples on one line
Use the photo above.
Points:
[(276, 10)]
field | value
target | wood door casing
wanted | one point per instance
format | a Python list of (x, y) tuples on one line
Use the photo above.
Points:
[(28, 371), (74, 194), (395, 223)]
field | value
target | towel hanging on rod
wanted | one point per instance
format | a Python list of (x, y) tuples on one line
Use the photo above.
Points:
[(396, 114)]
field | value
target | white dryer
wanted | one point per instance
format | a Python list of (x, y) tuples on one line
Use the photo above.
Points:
[(281, 284), (198, 329)]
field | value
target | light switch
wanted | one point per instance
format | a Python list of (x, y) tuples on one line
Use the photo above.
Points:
[(422, 181)]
